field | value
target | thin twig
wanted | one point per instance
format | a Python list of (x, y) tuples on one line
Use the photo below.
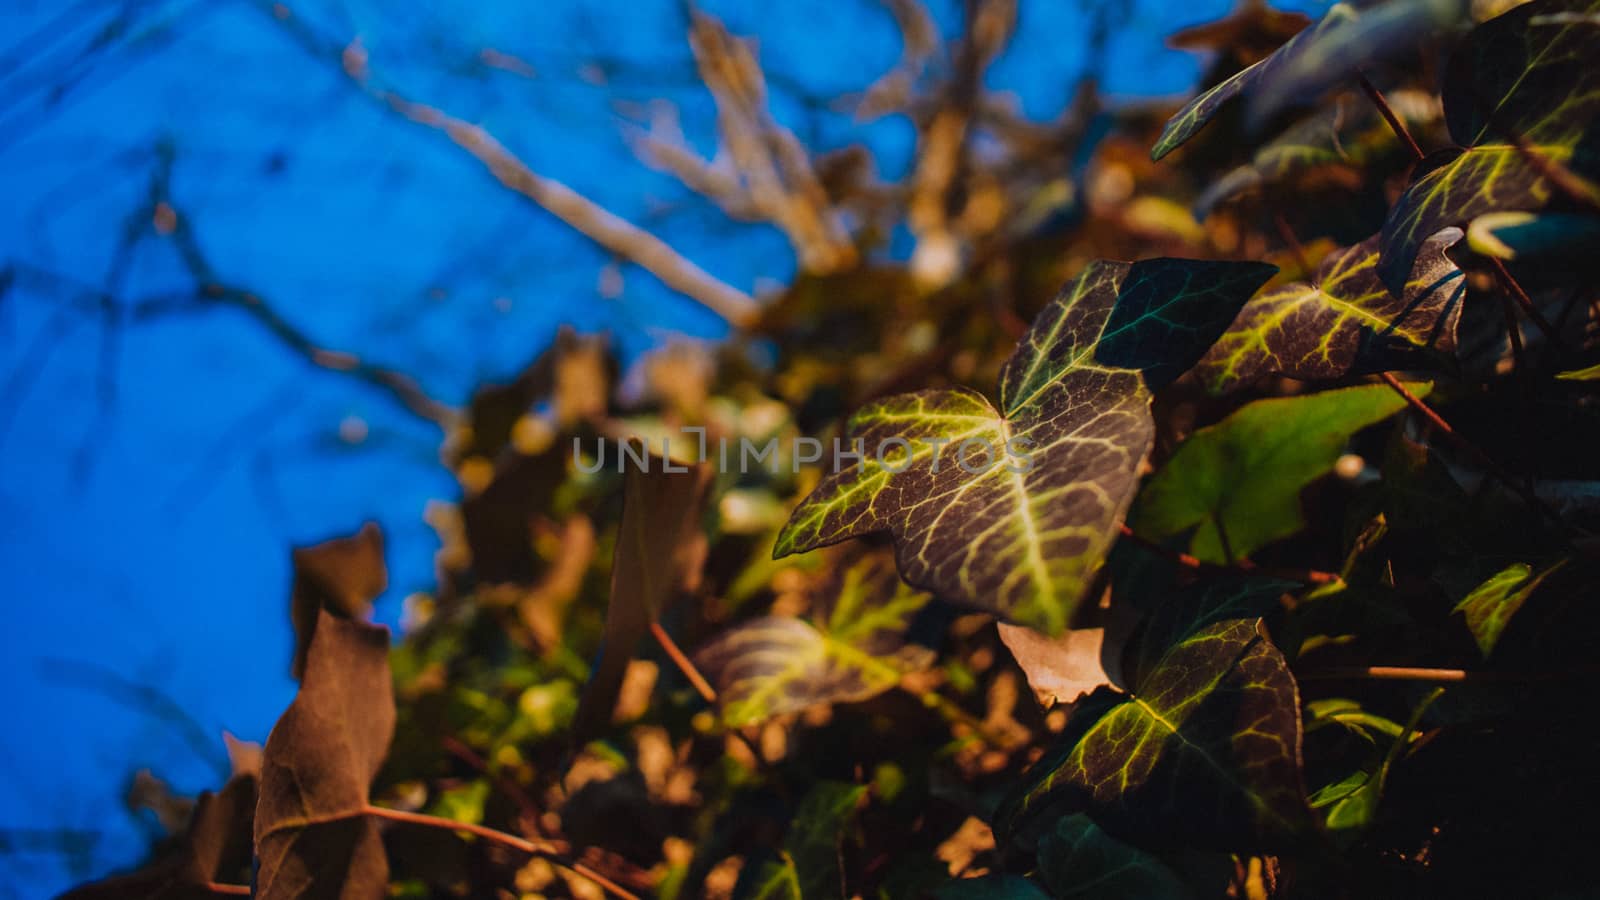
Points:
[(1241, 567), (1419, 673), (500, 837), (230, 890), (1514, 289), (1483, 459), (1395, 125), (684, 664)]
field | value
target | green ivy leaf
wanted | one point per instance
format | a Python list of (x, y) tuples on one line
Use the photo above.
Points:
[(1236, 484), (776, 664), (1527, 76), (1489, 607), (1078, 859), (1023, 537), (1343, 322), (808, 866), (1205, 751), (1188, 121)]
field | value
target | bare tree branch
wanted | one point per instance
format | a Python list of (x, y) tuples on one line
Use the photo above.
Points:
[(615, 234)]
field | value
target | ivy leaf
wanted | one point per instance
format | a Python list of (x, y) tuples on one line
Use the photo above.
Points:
[(776, 664), (1195, 114), (1021, 533), (1343, 322), (312, 839), (1350, 134), (1236, 484), (1524, 235), (1205, 751), (1489, 607), (1331, 50), (660, 513), (215, 848), (809, 864), (343, 576), (1078, 859), (1526, 76)]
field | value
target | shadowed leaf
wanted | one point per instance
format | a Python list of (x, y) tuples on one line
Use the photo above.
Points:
[(1590, 374), (991, 887), (312, 840), (1343, 322), (1523, 235), (1021, 533), (1205, 751), (342, 576), (660, 517), (1527, 76), (809, 864), (1236, 484), (1078, 859), (777, 664), (215, 848)]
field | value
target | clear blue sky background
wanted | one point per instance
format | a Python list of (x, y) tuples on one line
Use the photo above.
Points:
[(153, 477)]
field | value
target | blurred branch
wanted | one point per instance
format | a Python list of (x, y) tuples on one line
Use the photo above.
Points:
[(942, 142), (611, 232)]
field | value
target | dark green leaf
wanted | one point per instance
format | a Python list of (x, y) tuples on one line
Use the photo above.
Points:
[(1078, 859), (312, 840), (1023, 536), (808, 867), (1523, 235), (1205, 751), (991, 887), (1236, 484), (1345, 321), (1527, 77)]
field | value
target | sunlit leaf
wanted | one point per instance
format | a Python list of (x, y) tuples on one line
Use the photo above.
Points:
[(1236, 484), (1023, 536), (312, 840), (1078, 859), (1059, 669), (1525, 77), (1592, 373), (777, 664), (1345, 321), (1489, 607), (1205, 751)]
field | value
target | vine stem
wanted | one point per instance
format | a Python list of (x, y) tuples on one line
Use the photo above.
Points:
[(1514, 289), (1241, 567), (228, 890), (1384, 109), (684, 664), (1483, 459), (500, 837), (1419, 673)]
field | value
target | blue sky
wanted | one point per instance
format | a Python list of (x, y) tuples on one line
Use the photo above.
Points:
[(154, 475)]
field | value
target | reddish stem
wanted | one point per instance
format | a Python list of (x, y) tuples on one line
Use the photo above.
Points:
[(1243, 566), (684, 664), (1395, 125)]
